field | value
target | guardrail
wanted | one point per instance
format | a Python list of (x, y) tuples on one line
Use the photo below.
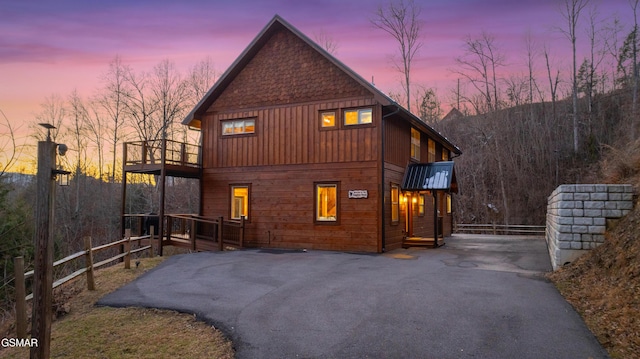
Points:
[(21, 276), (523, 229), (150, 152)]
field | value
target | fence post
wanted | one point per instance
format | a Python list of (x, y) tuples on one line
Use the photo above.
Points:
[(127, 249), (192, 233), (220, 232), (91, 284), (21, 302), (152, 230)]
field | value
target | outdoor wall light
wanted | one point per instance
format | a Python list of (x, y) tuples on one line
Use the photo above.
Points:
[(61, 176)]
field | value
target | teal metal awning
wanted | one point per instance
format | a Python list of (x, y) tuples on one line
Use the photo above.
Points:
[(436, 176)]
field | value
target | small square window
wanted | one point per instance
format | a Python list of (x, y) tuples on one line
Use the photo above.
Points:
[(358, 116), (328, 119)]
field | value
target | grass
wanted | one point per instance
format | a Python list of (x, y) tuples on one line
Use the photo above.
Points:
[(87, 331)]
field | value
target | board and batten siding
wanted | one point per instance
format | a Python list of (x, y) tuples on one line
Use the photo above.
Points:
[(291, 135)]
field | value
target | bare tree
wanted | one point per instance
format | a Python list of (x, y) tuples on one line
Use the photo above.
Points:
[(8, 148), (326, 42), (401, 20), (52, 111), (479, 67), (570, 11), (611, 36), (139, 108), (170, 92), (112, 99), (200, 79), (554, 80), (636, 72), (97, 134)]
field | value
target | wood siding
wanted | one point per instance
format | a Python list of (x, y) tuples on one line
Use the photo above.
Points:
[(287, 71), (282, 201), (398, 144), (291, 135)]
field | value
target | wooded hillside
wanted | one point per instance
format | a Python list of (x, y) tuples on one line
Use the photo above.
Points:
[(514, 158)]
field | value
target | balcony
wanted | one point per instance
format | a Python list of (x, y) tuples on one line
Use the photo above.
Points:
[(150, 157)]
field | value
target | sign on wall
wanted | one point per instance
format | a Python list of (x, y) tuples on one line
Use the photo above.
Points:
[(358, 193)]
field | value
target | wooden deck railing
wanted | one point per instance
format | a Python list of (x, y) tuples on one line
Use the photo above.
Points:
[(21, 276), (150, 152), (521, 229), (210, 233), (190, 230)]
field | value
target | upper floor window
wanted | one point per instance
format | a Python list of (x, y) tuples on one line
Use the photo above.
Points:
[(238, 127), (415, 144), (328, 119), (358, 116), (432, 151)]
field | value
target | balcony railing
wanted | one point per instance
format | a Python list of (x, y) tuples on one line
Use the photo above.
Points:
[(150, 153)]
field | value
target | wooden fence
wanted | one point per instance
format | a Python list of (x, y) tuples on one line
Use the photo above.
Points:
[(87, 253), (520, 229)]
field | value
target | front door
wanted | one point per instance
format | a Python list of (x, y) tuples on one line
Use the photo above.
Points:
[(408, 214)]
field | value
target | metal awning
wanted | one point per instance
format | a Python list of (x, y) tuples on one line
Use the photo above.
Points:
[(430, 176)]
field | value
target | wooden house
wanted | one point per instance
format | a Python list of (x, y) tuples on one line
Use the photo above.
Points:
[(314, 156)]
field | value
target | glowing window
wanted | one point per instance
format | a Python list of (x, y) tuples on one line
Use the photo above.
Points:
[(415, 144), (328, 119), (395, 203), (327, 202), (239, 202), (432, 151), (358, 116)]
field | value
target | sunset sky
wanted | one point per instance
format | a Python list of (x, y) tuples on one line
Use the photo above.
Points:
[(54, 47)]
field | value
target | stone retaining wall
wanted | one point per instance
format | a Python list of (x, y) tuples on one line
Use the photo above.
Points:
[(577, 218)]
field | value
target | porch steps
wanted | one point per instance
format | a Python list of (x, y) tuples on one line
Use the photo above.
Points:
[(420, 242)]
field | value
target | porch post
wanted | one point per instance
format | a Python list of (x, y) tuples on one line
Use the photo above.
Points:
[(435, 218)]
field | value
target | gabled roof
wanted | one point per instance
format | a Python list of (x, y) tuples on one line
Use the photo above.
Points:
[(276, 24)]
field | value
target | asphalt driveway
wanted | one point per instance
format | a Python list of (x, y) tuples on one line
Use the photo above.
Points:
[(476, 297)]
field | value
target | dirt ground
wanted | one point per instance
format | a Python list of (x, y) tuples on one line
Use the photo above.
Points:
[(604, 287)]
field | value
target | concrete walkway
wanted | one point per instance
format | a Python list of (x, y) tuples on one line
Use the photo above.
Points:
[(476, 297)]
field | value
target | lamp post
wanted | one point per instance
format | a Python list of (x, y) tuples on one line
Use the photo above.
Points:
[(43, 256)]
